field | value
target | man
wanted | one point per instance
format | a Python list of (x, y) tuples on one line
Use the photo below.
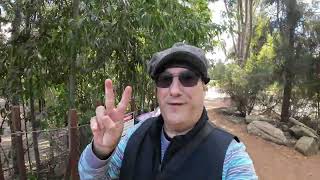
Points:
[(180, 143)]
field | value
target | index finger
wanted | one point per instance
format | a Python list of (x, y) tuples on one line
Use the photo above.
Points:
[(109, 96)]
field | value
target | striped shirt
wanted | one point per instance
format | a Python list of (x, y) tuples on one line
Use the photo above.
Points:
[(237, 163)]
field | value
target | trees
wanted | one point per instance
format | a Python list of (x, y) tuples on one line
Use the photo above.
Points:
[(60, 52), (287, 44), (94, 38), (250, 41), (244, 83), (278, 51), (240, 14)]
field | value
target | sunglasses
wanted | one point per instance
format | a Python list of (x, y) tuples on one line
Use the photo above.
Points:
[(186, 78)]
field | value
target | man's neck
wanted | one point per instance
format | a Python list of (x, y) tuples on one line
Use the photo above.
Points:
[(172, 133)]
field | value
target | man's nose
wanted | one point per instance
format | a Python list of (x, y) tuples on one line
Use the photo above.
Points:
[(175, 87)]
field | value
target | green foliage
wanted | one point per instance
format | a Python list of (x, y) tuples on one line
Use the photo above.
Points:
[(31, 176), (244, 83), (108, 39)]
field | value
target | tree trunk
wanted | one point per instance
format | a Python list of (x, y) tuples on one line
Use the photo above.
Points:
[(34, 125), (13, 76), (1, 171), (26, 130), (318, 106), (13, 147), (239, 41), (286, 97), (248, 29), (72, 66), (231, 31), (288, 34), (52, 162)]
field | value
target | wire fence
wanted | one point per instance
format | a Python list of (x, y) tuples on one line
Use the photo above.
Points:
[(44, 154), (52, 146)]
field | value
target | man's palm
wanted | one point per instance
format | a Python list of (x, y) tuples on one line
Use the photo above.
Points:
[(108, 124)]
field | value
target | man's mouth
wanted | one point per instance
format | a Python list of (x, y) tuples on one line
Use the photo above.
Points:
[(176, 104)]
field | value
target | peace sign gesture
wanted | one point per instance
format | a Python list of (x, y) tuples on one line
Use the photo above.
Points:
[(107, 125)]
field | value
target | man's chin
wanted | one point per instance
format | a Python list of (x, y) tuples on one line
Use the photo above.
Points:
[(175, 118)]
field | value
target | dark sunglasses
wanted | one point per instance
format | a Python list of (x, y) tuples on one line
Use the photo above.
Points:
[(186, 78)]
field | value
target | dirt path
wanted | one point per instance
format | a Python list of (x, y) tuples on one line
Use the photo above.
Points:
[(271, 161)]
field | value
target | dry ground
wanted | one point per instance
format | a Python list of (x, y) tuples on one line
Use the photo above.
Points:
[(271, 161)]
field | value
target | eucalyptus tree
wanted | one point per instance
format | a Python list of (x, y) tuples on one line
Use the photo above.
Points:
[(239, 20), (250, 39)]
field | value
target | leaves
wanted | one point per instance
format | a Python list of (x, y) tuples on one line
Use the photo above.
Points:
[(109, 39)]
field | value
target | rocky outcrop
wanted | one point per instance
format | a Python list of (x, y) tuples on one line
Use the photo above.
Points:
[(267, 131), (236, 119), (299, 130), (230, 111), (307, 146), (251, 118)]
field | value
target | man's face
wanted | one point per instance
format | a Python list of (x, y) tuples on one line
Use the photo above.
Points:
[(181, 107)]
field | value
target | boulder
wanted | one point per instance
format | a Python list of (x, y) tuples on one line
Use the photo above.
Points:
[(230, 111), (251, 118), (272, 114), (267, 131), (291, 142), (307, 146), (298, 131), (285, 127), (236, 119)]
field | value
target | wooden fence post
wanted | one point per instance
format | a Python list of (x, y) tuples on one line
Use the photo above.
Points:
[(19, 143), (74, 154)]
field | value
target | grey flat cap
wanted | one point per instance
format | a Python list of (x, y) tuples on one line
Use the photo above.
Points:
[(180, 54)]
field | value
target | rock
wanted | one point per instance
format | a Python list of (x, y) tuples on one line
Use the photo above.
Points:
[(299, 131), (251, 118), (307, 146), (286, 133), (272, 114), (291, 142), (236, 119), (310, 131), (267, 131), (285, 128), (230, 111)]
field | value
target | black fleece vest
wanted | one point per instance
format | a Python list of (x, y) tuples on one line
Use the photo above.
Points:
[(198, 155)]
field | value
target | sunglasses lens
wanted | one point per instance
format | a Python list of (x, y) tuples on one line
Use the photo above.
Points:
[(188, 78), (164, 80)]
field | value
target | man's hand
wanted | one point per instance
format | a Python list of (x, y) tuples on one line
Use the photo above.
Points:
[(107, 126)]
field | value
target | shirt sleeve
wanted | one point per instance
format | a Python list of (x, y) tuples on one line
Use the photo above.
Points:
[(238, 164), (91, 167)]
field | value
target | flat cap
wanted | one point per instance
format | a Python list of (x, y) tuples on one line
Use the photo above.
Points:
[(180, 54)]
